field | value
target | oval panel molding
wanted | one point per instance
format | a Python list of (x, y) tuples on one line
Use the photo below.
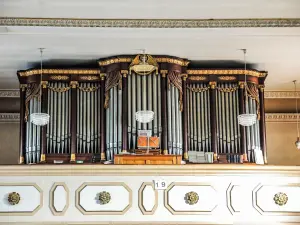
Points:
[(148, 198), (88, 203), (59, 199), (175, 198), (264, 199), (31, 199)]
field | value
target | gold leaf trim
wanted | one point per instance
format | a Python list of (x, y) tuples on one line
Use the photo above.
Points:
[(59, 71), (59, 77), (196, 78), (228, 72), (227, 78), (89, 78)]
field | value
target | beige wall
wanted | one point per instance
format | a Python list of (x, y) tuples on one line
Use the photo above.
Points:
[(281, 148), (9, 143), (280, 143)]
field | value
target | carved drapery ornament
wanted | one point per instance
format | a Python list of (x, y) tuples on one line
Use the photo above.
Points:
[(32, 91), (113, 79), (174, 77), (252, 90)]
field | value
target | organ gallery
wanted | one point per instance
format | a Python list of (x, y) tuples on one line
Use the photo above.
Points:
[(94, 113)]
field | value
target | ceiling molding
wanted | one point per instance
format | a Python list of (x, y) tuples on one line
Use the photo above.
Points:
[(9, 117), (282, 117), (9, 93), (282, 94), (149, 23)]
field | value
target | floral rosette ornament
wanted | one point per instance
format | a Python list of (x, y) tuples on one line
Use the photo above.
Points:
[(14, 198), (280, 198), (104, 197), (191, 198)]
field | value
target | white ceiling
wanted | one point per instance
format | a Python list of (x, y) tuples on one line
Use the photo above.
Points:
[(276, 50)]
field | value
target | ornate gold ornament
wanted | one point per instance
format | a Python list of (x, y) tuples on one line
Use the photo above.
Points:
[(89, 78), (124, 73), (21, 160), (191, 198), (164, 73), (59, 77), (212, 84), (227, 89), (280, 198), (197, 78), (89, 89), (73, 157), (261, 87), (102, 76), (184, 76), (242, 84), (143, 64), (104, 197), (227, 78), (59, 71), (23, 87), (44, 84), (43, 157), (242, 72), (74, 84), (59, 89), (14, 198)]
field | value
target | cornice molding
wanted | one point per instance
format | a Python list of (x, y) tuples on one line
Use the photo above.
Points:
[(282, 117), (222, 72), (9, 93), (9, 117), (59, 71), (282, 94), (150, 170), (150, 23)]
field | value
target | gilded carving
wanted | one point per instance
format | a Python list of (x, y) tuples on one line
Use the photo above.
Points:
[(253, 73), (261, 87), (104, 197), (102, 76), (197, 78), (44, 84), (59, 77), (124, 72), (212, 84), (23, 87), (43, 157), (164, 73), (14, 198), (89, 78), (59, 71), (191, 198), (282, 117), (227, 78), (73, 157), (74, 84), (242, 84), (184, 76), (280, 198)]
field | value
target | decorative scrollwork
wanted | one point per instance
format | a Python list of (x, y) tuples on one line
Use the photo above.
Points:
[(227, 89), (14, 198), (227, 78), (88, 89), (280, 198), (59, 89), (191, 198), (198, 90), (197, 78), (59, 77), (89, 78), (104, 197)]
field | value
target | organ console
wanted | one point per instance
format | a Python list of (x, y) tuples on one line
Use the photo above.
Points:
[(92, 111)]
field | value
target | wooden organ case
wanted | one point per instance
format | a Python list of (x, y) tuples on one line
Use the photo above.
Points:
[(92, 111)]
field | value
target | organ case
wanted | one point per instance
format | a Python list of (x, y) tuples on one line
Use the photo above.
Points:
[(92, 111)]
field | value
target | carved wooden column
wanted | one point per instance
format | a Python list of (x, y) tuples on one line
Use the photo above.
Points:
[(124, 111), (74, 85), (184, 120), (22, 144), (262, 122), (102, 118), (213, 119), (164, 113), (242, 110), (44, 105)]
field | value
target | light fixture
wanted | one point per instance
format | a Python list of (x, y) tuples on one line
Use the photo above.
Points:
[(39, 118), (143, 64), (247, 119), (297, 143)]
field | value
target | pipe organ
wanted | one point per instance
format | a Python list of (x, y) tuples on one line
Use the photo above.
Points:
[(92, 111)]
